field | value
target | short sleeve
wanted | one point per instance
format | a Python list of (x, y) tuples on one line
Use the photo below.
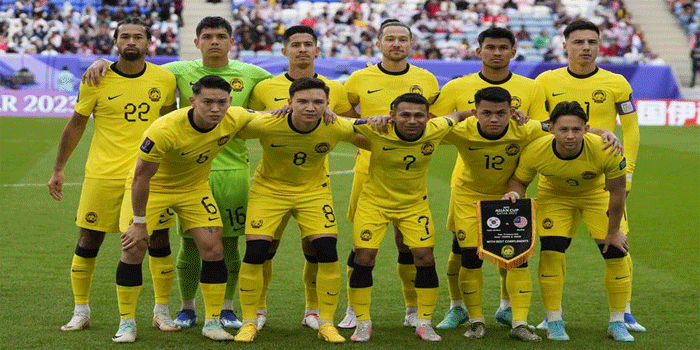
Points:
[(538, 107), (255, 101), (342, 104), (526, 170), (615, 166), (445, 102), (170, 88), (155, 144), (351, 90), (87, 98)]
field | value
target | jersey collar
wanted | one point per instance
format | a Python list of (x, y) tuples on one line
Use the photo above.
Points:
[(379, 65), (494, 82), (114, 68), (584, 76), (190, 118), (286, 75), (291, 125), (492, 138), (554, 148), (403, 138)]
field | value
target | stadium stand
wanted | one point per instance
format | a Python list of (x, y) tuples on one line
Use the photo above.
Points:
[(51, 27), (446, 30)]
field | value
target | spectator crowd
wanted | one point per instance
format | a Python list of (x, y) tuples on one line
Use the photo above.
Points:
[(80, 27)]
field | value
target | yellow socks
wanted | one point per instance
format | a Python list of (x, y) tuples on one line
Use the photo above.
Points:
[(310, 278), (617, 283), (454, 263), (519, 286), (471, 283), (81, 271), (328, 289), (250, 285), (163, 274), (551, 273)]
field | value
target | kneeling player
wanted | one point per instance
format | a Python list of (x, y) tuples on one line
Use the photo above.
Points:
[(292, 180), (171, 175), (578, 181), (396, 192)]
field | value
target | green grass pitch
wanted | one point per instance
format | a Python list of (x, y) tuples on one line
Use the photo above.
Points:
[(38, 236)]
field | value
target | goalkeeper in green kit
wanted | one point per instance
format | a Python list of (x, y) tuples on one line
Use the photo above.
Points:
[(230, 172)]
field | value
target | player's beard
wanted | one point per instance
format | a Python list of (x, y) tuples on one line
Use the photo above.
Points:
[(131, 55)]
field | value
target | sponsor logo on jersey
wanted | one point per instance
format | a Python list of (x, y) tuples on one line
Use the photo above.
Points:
[(427, 149), (322, 147), (222, 141), (598, 96), (493, 222), (237, 84), (154, 94), (587, 175), (512, 149), (91, 217), (147, 145), (507, 251), (366, 235), (515, 102), (547, 223)]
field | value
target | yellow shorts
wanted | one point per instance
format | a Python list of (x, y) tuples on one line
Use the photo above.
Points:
[(462, 219), (100, 203), (268, 210), (561, 215), (195, 208), (371, 221)]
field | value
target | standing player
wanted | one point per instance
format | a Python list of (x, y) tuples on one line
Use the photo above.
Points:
[(172, 174), (604, 95), (370, 88), (578, 181), (496, 50), (121, 116), (490, 146), (292, 180), (230, 174), (300, 47), (396, 192)]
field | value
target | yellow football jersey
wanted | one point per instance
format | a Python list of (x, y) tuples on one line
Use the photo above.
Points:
[(603, 95), (294, 161), (458, 95), (273, 94), (373, 88), (184, 150), (490, 160), (399, 168), (584, 173), (123, 107)]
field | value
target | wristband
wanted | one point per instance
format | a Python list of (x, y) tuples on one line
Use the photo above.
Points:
[(139, 220)]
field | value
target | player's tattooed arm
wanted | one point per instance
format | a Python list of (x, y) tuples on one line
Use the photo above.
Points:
[(96, 70), (71, 136)]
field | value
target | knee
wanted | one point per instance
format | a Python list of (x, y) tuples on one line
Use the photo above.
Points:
[(256, 251), (423, 257), (211, 250), (365, 257), (325, 248), (90, 239), (307, 247), (470, 259), (159, 239), (612, 253), (555, 243)]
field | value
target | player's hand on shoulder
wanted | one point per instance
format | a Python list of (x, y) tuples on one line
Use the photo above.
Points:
[(511, 196), (56, 185), (380, 123), (329, 117), (520, 117), (133, 235), (282, 111), (96, 70), (612, 142)]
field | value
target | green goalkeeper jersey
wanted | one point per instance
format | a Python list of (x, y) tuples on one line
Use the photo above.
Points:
[(242, 77)]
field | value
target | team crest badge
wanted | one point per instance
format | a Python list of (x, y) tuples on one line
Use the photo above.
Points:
[(427, 149), (507, 251), (222, 141), (598, 96), (366, 235), (416, 89), (515, 102), (547, 223), (91, 217), (587, 175), (256, 223), (322, 147), (512, 149), (461, 235), (572, 182), (154, 94), (237, 84)]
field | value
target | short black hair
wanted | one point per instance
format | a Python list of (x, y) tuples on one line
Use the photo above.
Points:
[(136, 21), (308, 83), (580, 24), (496, 33), (214, 22), (492, 94), (211, 82), (300, 29), (393, 22), (410, 97), (567, 108)]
